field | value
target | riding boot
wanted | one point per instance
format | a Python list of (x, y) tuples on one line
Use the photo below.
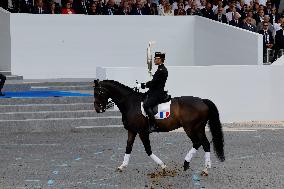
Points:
[(152, 126), (151, 121)]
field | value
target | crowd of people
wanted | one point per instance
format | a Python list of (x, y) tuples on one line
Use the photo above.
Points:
[(261, 16)]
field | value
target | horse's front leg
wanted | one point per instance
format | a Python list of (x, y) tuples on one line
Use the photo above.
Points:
[(130, 141), (146, 142)]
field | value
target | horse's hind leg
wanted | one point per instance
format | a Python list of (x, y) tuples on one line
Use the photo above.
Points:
[(196, 144), (146, 142), (130, 141), (206, 147)]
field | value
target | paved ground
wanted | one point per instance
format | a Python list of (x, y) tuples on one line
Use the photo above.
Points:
[(87, 158)]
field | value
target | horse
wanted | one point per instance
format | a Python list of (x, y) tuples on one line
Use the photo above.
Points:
[(191, 113)]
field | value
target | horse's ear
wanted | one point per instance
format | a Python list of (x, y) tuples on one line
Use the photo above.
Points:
[(96, 83)]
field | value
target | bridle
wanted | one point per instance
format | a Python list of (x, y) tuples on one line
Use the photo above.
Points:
[(102, 92)]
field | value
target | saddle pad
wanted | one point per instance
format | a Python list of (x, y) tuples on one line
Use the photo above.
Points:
[(164, 110)]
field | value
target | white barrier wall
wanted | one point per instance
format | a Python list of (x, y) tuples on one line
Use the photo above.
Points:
[(240, 92), (225, 45), (51, 46), (73, 45), (5, 41)]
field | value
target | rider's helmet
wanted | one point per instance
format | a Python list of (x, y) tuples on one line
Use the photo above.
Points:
[(160, 55)]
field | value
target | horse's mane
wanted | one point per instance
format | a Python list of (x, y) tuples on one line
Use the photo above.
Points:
[(116, 83)]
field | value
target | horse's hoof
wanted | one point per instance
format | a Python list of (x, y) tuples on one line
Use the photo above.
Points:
[(185, 165), (120, 168), (204, 173)]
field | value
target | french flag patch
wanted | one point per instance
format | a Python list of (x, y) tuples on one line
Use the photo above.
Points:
[(164, 115)]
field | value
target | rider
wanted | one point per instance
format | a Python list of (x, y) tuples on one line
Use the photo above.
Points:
[(2, 82), (156, 86)]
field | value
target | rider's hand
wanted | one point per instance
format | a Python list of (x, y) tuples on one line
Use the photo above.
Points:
[(138, 86), (143, 85)]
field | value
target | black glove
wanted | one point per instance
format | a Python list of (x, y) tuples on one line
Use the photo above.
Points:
[(143, 85)]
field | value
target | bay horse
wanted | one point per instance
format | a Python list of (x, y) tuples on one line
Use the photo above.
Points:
[(191, 113)]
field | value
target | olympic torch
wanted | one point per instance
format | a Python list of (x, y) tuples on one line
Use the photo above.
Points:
[(149, 57)]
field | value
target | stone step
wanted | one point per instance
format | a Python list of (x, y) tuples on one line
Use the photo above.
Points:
[(55, 124), (14, 77), (55, 114), (6, 73), (50, 100), (59, 82), (63, 88), (46, 107), (12, 87)]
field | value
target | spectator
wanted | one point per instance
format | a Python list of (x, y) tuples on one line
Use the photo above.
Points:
[(137, 10), (279, 40), (2, 82), (268, 40), (262, 2), (255, 7), (124, 10), (110, 8), (168, 10), (100, 7), (247, 25), (274, 16), (259, 17), (161, 7), (187, 4), (26, 6), (53, 8), (147, 7), (268, 8), (277, 26), (180, 11), (202, 4), (193, 10), (220, 17), (154, 9), (39, 8), (276, 3), (81, 7), (207, 11), (94, 8), (175, 4), (260, 25), (250, 14), (236, 21), (67, 9), (231, 11)]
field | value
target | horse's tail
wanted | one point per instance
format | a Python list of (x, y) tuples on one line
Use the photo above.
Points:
[(216, 129)]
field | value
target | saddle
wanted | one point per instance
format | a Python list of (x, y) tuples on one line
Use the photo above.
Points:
[(162, 110)]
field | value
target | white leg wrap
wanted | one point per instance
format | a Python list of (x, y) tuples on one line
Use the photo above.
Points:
[(158, 161), (190, 154), (125, 162), (207, 160)]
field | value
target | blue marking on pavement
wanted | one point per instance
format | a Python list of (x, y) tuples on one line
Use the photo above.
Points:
[(195, 178), (112, 157), (41, 94), (63, 165), (50, 182), (196, 181)]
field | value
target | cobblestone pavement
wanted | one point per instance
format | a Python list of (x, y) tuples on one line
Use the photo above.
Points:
[(87, 158)]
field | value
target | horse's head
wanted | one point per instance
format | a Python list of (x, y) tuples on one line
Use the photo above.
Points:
[(101, 97)]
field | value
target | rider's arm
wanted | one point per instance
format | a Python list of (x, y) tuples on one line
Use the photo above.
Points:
[(158, 77)]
